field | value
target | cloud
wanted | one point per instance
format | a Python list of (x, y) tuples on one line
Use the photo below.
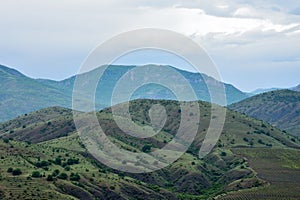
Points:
[(44, 38)]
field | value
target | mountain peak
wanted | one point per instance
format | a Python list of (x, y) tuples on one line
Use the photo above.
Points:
[(10, 72)]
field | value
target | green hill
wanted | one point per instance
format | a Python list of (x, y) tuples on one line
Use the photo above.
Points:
[(225, 169), (280, 108)]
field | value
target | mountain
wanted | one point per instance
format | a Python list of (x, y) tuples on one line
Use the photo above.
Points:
[(113, 73), (61, 168), (297, 88), (280, 108), (263, 90), (20, 94)]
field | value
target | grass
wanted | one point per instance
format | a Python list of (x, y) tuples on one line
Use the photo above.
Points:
[(229, 167)]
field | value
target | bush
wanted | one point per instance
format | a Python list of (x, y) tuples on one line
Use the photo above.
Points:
[(63, 176), (223, 153), (42, 164), (16, 172), (10, 170), (74, 177), (57, 161), (146, 148), (55, 172), (49, 178), (260, 141), (72, 161), (6, 140), (36, 174)]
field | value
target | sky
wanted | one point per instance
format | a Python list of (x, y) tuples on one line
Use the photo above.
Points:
[(254, 44)]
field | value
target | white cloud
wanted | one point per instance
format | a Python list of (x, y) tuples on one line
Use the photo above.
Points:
[(55, 34)]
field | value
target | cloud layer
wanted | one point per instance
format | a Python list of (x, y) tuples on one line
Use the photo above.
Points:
[(245, 38)]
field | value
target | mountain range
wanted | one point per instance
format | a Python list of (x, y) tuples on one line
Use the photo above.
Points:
[(20, 94), (263, 90)]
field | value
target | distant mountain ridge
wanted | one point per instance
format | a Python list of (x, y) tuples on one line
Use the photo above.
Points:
[(280, 108), (20, 94), (263, 90)]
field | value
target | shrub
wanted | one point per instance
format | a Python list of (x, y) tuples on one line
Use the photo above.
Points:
[(57, 161), (36, 174), (223, 153), (49, 178), (146, 148), (55, 172), (10, 170), (67, 168), (72, 161), (42, 164), (6, 140), (260, 141), (74, 177), (63, 176), (16, 172)]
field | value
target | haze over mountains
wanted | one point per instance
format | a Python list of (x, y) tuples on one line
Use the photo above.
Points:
[(263, 90), (20, 94)]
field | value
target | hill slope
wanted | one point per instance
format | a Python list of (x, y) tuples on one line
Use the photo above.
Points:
[(189, 177), (280, 108)]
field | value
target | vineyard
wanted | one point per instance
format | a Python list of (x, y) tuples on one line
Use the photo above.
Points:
[(279, 167)]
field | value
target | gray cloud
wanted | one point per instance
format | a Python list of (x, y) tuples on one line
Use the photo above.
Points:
[(51, 38)]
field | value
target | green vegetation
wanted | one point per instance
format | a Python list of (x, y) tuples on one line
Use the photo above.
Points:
[(59, 167), (281, 108)]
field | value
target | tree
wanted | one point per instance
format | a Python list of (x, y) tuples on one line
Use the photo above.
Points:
[(10, 170), (16, 172), (49, 178), (36, 174), (63, 176), (146, 148), (55, 172), (74, 177), (223, 153)]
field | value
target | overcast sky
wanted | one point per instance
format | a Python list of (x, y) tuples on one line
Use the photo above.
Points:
[(255, 44)]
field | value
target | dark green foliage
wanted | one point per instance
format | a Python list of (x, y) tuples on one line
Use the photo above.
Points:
[(62, 176), (74, 177), (36, 174), (10, 170), (72, 161), (146, 148), (223, 153), (16, 172), (57, 161), (6, 140), (55, 172), (43, 164), (49, 178)]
